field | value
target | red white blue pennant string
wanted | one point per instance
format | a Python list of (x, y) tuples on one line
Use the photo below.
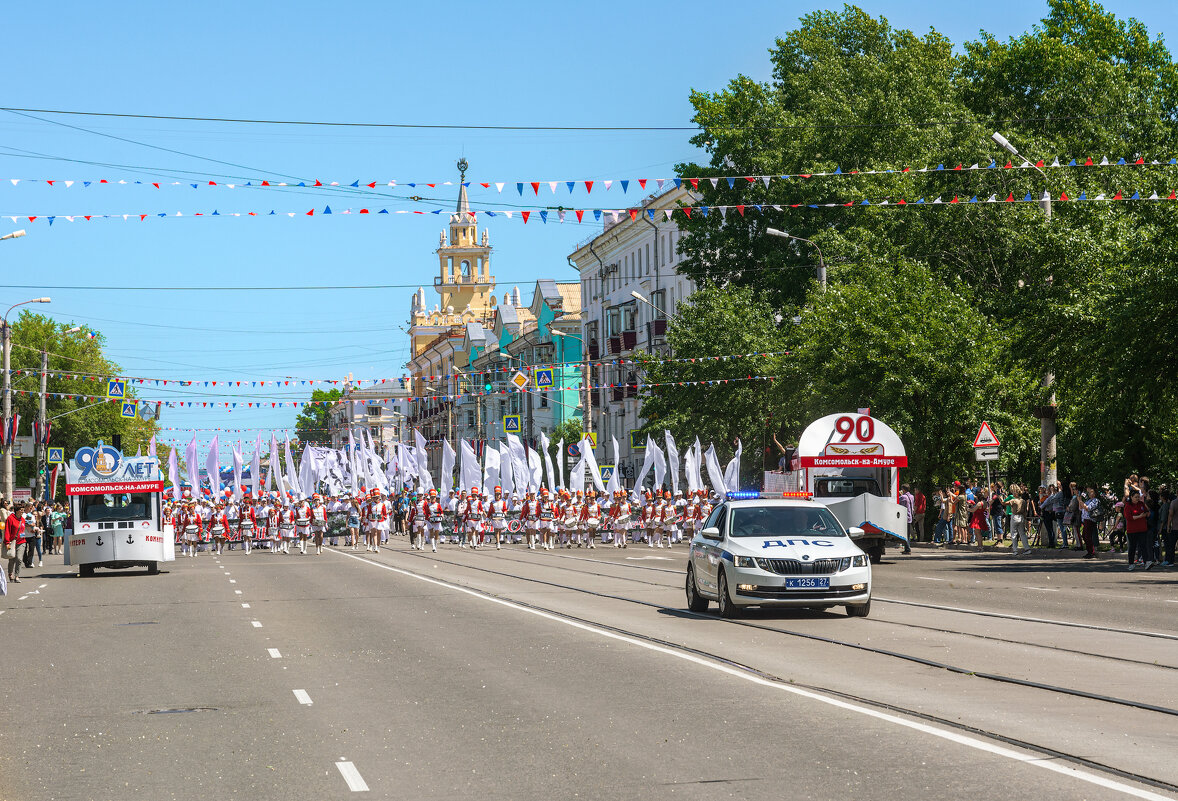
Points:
[(569, 187), (614, 215)]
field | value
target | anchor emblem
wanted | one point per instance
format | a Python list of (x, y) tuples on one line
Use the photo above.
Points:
[(130, 540), (99, 540)]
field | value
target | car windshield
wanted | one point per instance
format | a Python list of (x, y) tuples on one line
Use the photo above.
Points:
[(783, 521)]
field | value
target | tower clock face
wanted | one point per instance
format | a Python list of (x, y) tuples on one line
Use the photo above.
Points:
[(462, 165)]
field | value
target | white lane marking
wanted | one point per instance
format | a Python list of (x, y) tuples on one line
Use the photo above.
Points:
[(43, 586), (302, 696), (352, 776), (34, 592), (257, 624), (237, 592), (1030, 759), (232, 581), (1041, 589), (930, 578), (646, 558), (22, 597), (245, 606), (274, 653), (2, 611), (227, 573)]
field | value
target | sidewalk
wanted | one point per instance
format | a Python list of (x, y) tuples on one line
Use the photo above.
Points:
[(1036, 552)]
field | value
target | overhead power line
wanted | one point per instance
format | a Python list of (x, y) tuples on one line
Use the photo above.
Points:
[(651, 128)]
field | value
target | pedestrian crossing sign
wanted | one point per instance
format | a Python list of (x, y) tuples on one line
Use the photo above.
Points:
[(56, 455), (607, 471), (511, 424), (637, 441), (128, 409), (544, 378), (116, 388)]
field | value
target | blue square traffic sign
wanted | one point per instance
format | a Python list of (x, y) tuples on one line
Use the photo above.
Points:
[(128, 409), (544, 378), (116, 388), (56, 455)]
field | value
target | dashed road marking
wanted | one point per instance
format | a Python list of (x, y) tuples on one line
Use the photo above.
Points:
[(352, 776), (43, 586), (257, 624), (22, 597), (237, 592), (302, 696), (969, 741), (1041, 589), (245, 606), (232, 581), (930, 578), (274, 653)]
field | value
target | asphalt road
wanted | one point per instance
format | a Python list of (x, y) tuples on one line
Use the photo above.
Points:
[(578, 673)]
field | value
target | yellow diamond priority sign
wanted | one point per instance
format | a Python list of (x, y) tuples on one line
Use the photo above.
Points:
[(520, 379)]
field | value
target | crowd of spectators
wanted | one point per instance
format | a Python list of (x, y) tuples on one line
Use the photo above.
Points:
[(1135, 519), (31, 530)]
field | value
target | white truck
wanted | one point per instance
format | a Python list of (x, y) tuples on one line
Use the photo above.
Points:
[(851, 464), (116, 508)]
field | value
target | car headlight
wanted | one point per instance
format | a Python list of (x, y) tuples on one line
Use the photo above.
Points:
[(745, 561), (859, 561), (844, 563)]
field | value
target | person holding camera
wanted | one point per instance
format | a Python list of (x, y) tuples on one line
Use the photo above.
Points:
[(14, 542)]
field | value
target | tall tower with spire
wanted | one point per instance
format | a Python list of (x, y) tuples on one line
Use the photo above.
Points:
[(464, 280)]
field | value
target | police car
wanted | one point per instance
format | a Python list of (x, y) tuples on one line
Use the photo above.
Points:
[(780, 550)]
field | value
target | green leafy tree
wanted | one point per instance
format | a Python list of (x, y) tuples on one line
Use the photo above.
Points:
[(719, 322), (312, 424), (78, 370), (1086, 295)]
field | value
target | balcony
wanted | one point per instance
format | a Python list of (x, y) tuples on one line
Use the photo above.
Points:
[(660, 327), (615, 346), (616, 394), (629, 340), (594, 350)]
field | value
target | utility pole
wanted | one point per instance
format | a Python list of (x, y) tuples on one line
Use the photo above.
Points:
[(39, 480)]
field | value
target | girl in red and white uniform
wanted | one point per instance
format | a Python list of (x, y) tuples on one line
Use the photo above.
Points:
[(318, 521), (379, 514), (433, 512), (473, 514), (415, 522), (287, 517), (303, 523), (590, 518), (570, 521), (700, 509), (247, 522), (529, 518), (219, 528), (620, 514), (193, 525), (647, 519), (497, 510)]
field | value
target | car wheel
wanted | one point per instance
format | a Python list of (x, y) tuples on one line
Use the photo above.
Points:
[(876, 555), (859, 610), (85, 571), (728, 609), (153, 569), (695, 601)]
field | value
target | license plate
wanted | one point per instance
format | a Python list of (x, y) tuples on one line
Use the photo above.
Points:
[(808, 583)]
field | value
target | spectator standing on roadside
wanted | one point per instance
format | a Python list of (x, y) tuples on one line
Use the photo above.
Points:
[(14, 543), (1090, 512), (960, 518), (1071, 514), (997, 512), (1018, 521), (919, 510), (978, 519), (1171, 535), (1136, 526), (909, 504)]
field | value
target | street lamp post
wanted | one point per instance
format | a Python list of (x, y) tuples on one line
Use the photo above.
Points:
[(587, 412), (821, 263), (1048, 473), (7, 334)]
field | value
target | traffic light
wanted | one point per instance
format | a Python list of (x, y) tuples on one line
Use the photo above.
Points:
[(488, 387)]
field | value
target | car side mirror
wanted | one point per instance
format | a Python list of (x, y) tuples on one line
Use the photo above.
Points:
[(855, 532), (710, 533)]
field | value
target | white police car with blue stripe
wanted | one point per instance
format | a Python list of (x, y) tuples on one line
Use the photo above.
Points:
[(776, 550)]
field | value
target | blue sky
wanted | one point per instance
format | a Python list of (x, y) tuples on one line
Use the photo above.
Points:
[(558, 64)]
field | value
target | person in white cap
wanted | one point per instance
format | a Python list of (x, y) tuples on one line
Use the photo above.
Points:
[(381, 514), (591, 518), (318, 521), (416, 518), (303, 523), (247, 522), (218, 527), (435, 518), (498, 509), (286, 528), (619, 514), (472, 517)]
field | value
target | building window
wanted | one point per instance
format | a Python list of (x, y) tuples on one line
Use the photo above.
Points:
[(469, 419), (614, 321), (466, 268), (375, 411), (628, 317), (659, 301), (544, 400)]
